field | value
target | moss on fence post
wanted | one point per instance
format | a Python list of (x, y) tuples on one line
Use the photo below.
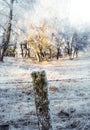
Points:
[(41, 100)]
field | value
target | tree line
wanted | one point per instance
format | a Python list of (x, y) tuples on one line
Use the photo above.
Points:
[(41, 43)]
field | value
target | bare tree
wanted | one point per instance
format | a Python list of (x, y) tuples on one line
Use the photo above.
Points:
[(59, 42), (8, 27), (80, 42), (7, 31)]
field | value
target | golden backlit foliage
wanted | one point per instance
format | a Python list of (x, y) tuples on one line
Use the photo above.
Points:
[(39, 40)]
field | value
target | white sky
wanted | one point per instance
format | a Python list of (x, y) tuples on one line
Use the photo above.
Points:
[(76, 10), (52, 8), (80, 12)]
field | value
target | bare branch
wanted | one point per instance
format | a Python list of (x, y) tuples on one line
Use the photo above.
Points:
[(2, 27), (14, 31), (7, 3), (4, 14)]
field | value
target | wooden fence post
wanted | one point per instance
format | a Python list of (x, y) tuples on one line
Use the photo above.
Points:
[(41, 100)]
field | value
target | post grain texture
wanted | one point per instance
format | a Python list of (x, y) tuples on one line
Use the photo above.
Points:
[(41, 100)]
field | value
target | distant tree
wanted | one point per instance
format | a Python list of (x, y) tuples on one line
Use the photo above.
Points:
[(40, 42), (79, 43), (68, 49), (59, 40), (83, 42)]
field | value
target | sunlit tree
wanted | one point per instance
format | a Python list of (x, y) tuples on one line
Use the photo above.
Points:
[(40, 41)]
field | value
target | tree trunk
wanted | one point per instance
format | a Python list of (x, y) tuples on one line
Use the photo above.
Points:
[(28, 52), (38, 56), (7, 32), (69, 50), (50, 53), (58, 53), (41, 100)]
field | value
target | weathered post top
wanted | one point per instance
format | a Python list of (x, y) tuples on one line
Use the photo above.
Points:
[(38, 76)]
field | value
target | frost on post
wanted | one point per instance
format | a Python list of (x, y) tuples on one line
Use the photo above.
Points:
[(41, 100)]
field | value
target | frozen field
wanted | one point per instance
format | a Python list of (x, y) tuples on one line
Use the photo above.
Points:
[(69, 93)]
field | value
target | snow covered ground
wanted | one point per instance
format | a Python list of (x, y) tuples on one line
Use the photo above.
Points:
[(69, 93)]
